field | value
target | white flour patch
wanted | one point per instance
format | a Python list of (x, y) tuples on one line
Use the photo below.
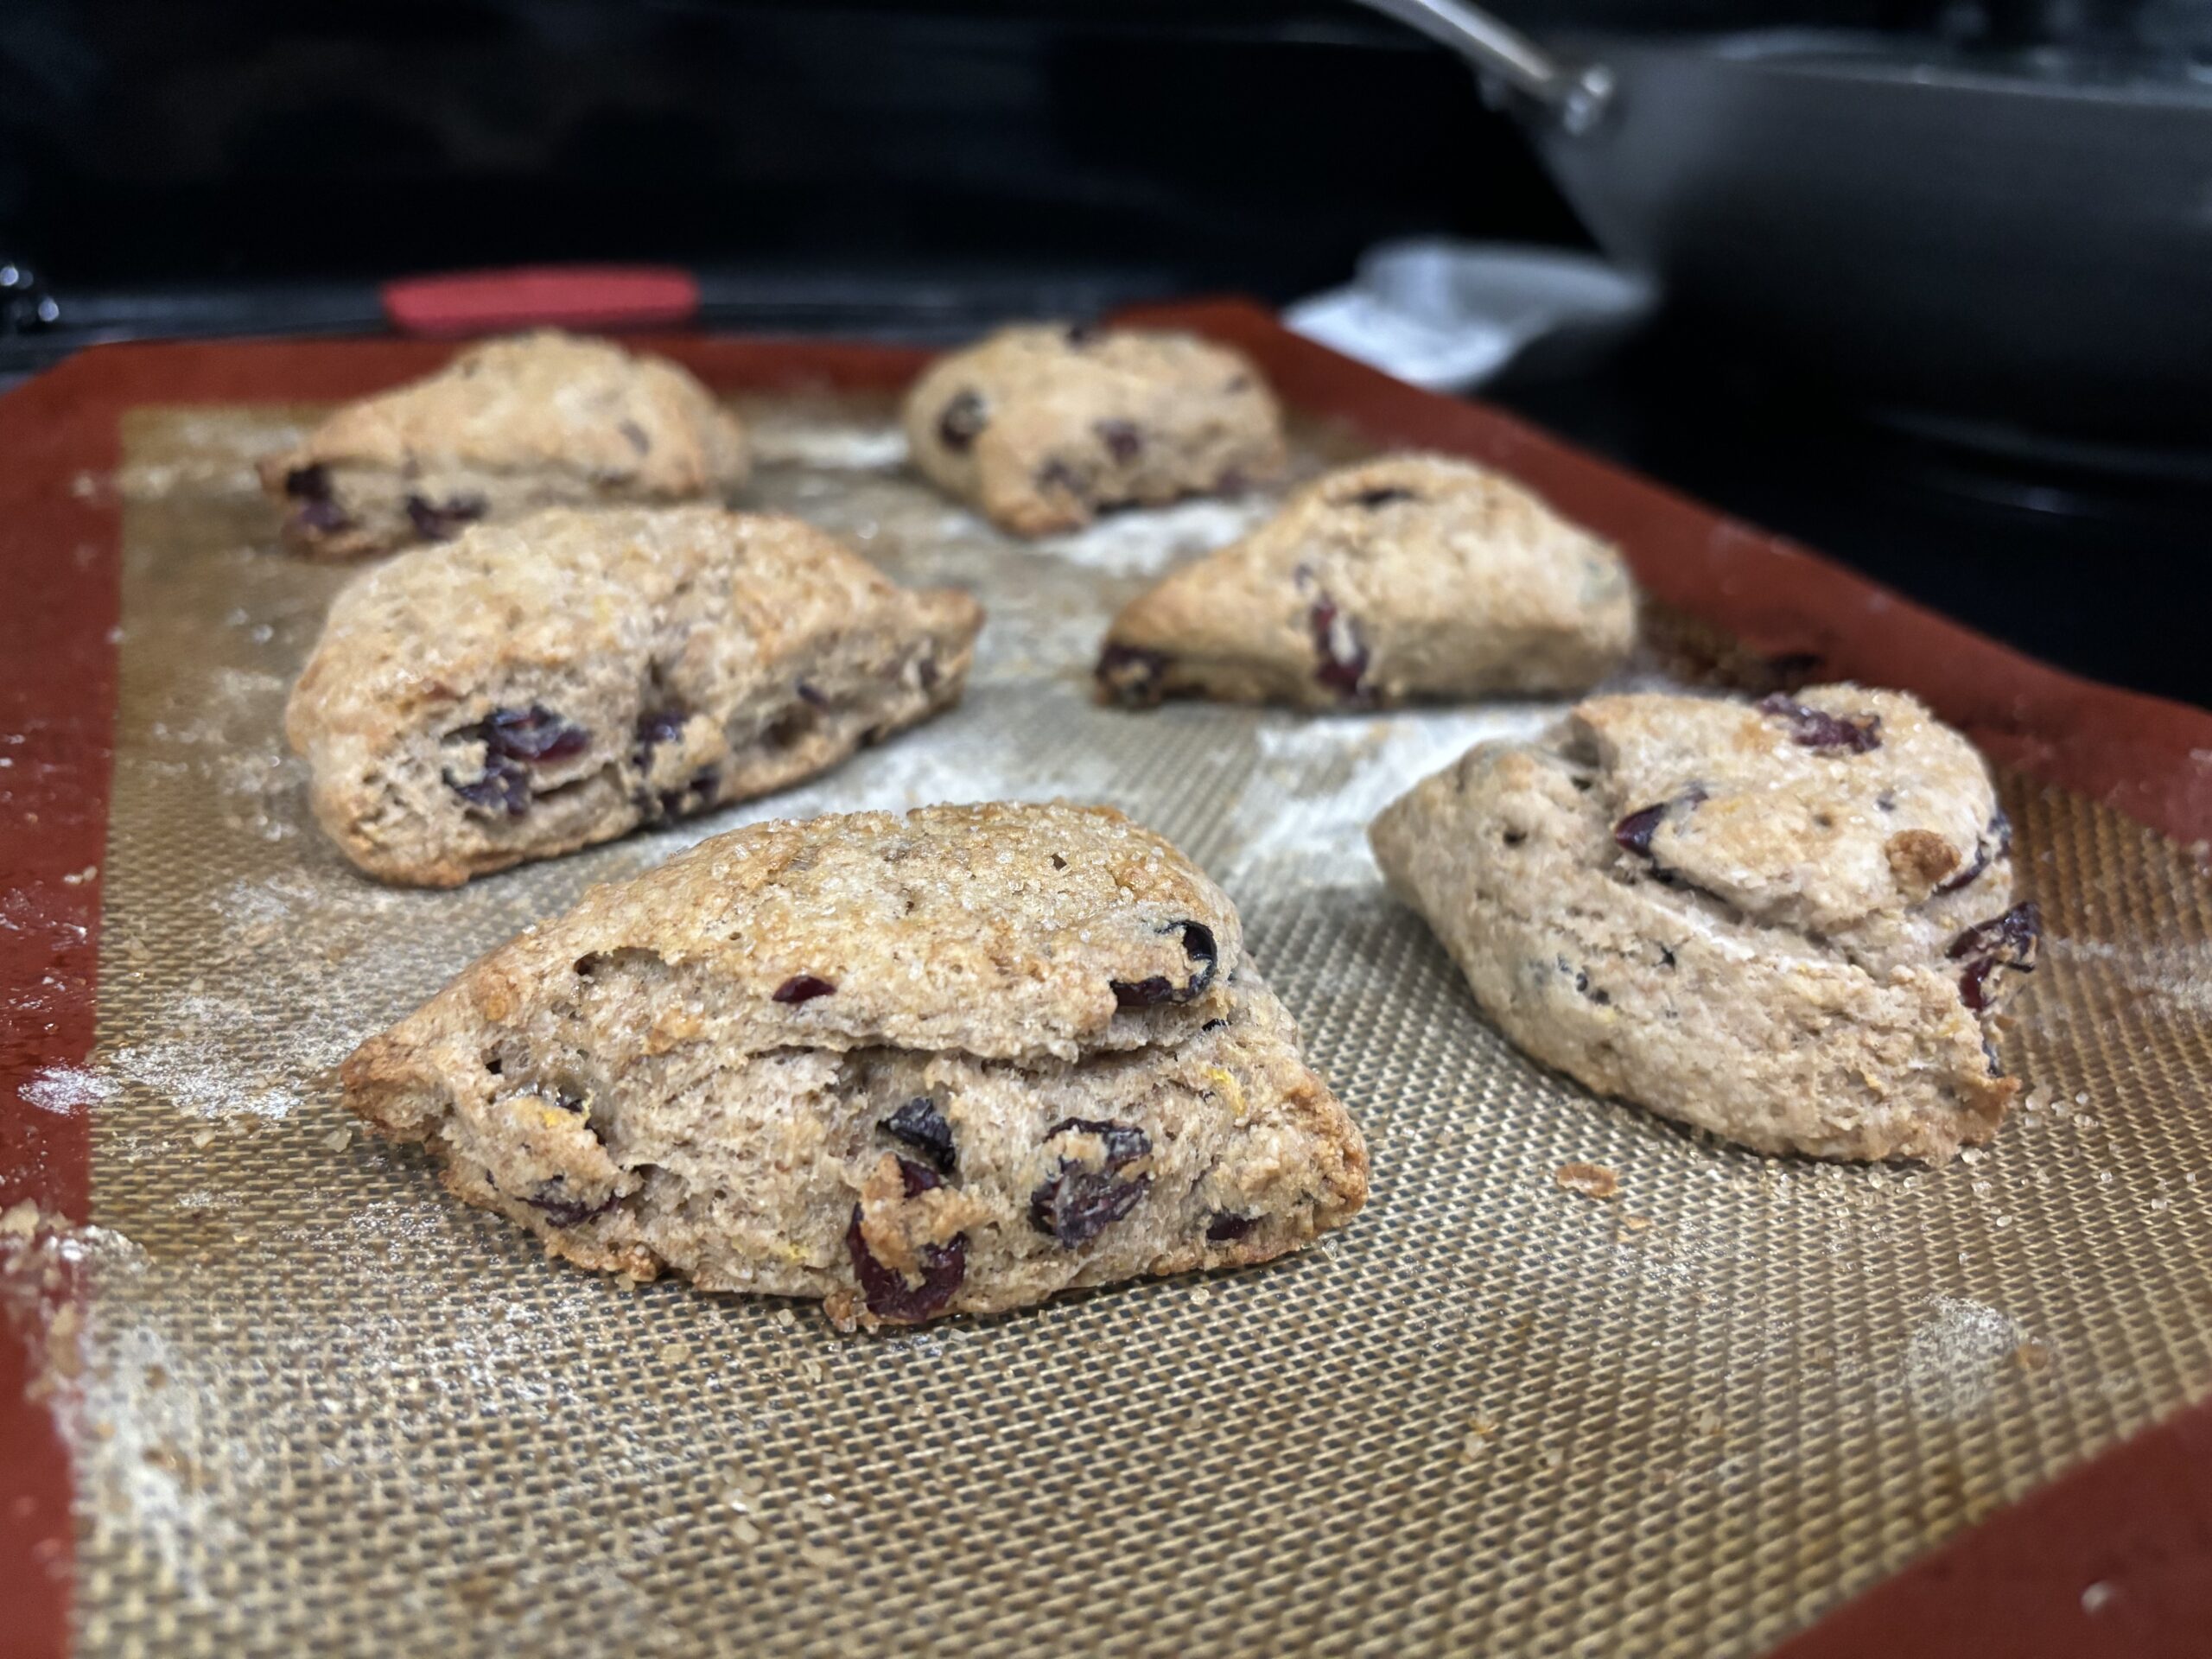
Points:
[(1146, 542), (160, 1471), (222, 1057), (1045, 634), (1321, 781), (2178, 974), (1951, 1363), (197, 1076), (831, 447), (65, 1090)]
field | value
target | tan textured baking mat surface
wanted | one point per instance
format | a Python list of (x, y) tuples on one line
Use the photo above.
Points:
[(327, 1410)]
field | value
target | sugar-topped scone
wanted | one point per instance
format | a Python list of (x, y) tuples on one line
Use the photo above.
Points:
[(951, 1062), (509, 427), (535, 687), (1788, 921), (1412, 578), (1042, 425)]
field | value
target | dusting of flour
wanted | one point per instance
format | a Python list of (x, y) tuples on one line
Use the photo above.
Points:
[(1954, 1358), (65, 1090), (1319, 784), (1147, 544)]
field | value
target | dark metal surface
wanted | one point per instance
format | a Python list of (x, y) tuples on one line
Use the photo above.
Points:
[(2005, 234), (2012, 240)]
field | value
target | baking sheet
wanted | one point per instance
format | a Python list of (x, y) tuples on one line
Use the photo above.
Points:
[(321, 1405)]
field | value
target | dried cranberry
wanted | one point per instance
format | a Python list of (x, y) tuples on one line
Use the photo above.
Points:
[(1078, 1205), (1996, 844), (1634, 833), (921, 1125), (1815, 728), (914, 1180), (1336, 638), (514, 741), (503, 788), (656, 727), (1226, 1228), (634, 436), (1124, 1142), (2006, 941), (961, 421), (1982, 854), (563, 1211), (1383, 497), (529, 734), (800, 988), (1132, 675), (1122, 438), (438, 522), (1200, 945), (888, 1295), (310, 483)]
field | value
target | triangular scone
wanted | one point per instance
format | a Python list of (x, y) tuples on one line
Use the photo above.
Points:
[(1409, 579), (1042, 426), (947, 1063), (1788, 921), (508, 426), (536, 687)]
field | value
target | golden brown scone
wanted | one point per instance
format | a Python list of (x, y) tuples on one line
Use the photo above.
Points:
[(951, 1062), (536, 687), (1411, 578), (1788, 921), (507, 427), (1042, 425)]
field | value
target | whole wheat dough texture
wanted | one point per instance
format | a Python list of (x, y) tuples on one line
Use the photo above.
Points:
[(1790, 923), (538, 687), (1413, 578), (508, 428), (1042, 426), (949, 1062)]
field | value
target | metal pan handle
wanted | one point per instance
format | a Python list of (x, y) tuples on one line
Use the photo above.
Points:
[(1574, 95)]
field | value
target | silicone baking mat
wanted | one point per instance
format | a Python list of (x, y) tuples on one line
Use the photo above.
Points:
[(1682, 1402)]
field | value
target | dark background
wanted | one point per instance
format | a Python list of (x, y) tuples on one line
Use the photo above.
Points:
[(921, 169)]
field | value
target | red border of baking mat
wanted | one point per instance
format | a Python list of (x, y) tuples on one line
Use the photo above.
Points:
[(2137, 1522)]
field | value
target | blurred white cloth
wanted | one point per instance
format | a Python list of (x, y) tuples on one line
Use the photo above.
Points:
[(1450, 316)]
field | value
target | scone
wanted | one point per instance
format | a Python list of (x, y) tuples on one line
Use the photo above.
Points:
[(1041, 426), (1788, 921), (508, 426), (1412, 578), (951, 1062), (535, 687)]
